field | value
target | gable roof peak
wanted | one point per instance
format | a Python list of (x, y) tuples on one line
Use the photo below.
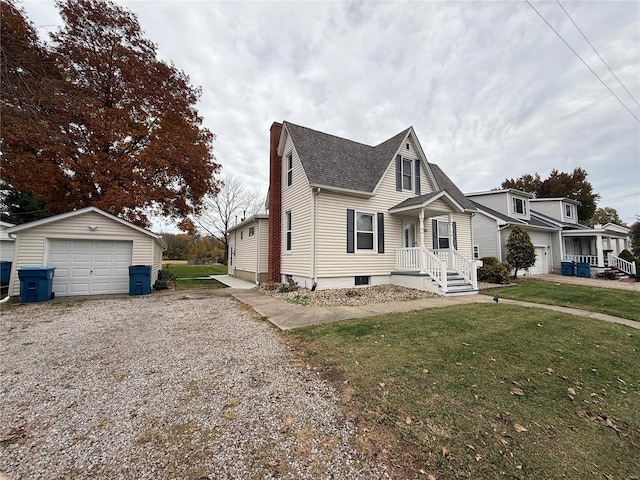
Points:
[(332, 161)]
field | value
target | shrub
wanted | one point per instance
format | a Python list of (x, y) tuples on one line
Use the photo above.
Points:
[(492, 271), (607, 275), (165, 278)]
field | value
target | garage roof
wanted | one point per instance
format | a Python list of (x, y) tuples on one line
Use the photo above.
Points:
[(62, 216)]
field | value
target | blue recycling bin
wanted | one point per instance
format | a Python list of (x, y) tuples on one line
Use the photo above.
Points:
[(583, 270), (139, 279), (36, 284), (5, 273), (568, 269)]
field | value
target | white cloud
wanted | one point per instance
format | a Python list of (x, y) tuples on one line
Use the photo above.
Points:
[(491, 91)]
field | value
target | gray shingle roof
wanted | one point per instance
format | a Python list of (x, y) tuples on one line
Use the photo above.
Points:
[(341, 163), (445, 183), (417, 200)]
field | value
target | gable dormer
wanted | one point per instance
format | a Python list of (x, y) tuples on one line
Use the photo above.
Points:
[(510, 202), (562, 209)]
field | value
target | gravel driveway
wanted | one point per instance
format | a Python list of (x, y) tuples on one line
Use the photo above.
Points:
[(172, 385)]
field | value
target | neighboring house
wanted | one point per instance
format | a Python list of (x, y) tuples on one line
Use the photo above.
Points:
[(344, 214), (90, 249), (248, 249), (552, 224), (598, 246), (6, 242)]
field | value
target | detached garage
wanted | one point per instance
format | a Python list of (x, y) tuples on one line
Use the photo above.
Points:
[(90, 249)]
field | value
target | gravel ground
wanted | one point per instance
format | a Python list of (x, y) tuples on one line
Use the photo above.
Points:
[(175, 385), (347, 296)]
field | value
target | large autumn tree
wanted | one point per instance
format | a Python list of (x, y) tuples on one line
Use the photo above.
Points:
[(119, 126), (572, 185)]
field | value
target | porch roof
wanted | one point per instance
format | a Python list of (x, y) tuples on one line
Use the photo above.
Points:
[(419, 202)]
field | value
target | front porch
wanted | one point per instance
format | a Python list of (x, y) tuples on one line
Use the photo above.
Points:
[(443, 269), (445, 272), (598, 247)]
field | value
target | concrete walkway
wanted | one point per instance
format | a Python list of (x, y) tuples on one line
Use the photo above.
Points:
[(591, 282), (286, 315), (233, 282)]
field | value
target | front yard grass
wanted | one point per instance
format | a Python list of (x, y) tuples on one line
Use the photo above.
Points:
[(186, 275), (611, 301), (487, 391)]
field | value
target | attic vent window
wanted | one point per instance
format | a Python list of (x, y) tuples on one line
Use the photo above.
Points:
[(407, 146)]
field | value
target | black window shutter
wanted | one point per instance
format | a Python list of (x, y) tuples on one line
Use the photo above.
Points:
[(417, 177), (455, 236), (398, 173), (380, 232), (435, 234), (351, 214)]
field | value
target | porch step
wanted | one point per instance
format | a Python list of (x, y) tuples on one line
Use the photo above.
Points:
[(457, 285)]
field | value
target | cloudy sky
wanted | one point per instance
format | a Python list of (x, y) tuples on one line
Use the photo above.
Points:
[(490, 89)]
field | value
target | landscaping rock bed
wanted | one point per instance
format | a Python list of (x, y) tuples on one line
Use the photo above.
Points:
[(345, 296)]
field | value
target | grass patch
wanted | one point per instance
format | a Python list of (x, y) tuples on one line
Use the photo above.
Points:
[(191, 271), (487, 391), (186, 275), (611, 301)]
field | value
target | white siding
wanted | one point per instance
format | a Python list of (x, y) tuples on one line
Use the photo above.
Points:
[(297, 198), (333, 259), (31, 244), (263, 240), (498, 201), (485, 235)]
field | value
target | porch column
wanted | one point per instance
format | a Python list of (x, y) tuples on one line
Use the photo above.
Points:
[(450, 241), (421, 217), (599, 250), (420, 253)]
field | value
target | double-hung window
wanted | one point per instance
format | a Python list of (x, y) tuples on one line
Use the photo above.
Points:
[(289, 169), (407, 174), (443, 234), (519, 206), (365, 227), (287, 222), (568, 211)]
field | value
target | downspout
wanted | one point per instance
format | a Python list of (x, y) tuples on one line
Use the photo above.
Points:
[(258, 253), (500, 242), (315, 240)]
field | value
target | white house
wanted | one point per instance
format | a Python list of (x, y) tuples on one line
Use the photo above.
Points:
[(552, 224), (90, 249), (6, 242), (344, 214), (249, 249)]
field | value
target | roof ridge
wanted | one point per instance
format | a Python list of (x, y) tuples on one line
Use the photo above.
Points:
[(329, 134)]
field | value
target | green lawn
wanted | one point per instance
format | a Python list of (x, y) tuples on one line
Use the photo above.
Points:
[(487, 391), (616, 302), (186, 275)]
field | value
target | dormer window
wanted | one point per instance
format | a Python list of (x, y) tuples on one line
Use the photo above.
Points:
[(568, 211), (519, 206)]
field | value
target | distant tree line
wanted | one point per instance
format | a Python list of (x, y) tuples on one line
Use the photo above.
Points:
[(196, 249)]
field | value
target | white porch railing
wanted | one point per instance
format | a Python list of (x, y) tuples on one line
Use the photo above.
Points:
[(590, 259), (417, 259), (466, 268), (627, 267)]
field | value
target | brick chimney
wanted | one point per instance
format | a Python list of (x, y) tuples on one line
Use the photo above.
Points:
[(275, 204)]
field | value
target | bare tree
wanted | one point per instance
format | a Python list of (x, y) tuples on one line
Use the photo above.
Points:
[(232, 204)]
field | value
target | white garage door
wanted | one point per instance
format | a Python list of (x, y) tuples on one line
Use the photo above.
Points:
[(90, 267), (541, 259)]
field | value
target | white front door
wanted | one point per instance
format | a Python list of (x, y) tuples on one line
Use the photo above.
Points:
[(409, 234), (540, 267)]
